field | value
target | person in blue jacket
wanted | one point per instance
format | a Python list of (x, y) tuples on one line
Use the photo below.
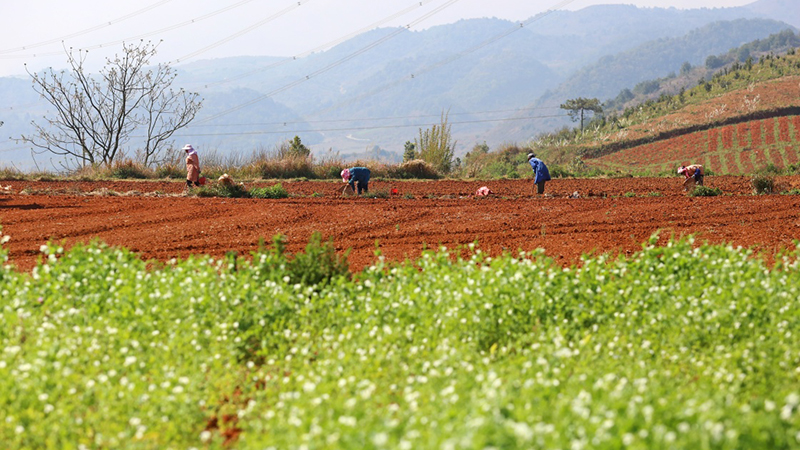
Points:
[(540, 172), (357, 177)]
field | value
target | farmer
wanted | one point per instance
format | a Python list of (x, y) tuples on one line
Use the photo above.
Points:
[(192, 166), (540, 172), (694, 175), (358, 175)]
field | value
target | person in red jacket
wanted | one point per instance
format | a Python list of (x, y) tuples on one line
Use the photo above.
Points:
[(694, 175)]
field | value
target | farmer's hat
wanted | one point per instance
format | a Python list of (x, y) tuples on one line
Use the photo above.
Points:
[(681, 169), (188, 147), (531, 156), (346, 175)]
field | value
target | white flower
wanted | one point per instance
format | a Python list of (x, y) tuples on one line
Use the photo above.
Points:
[(205, 436), (129, 360), (349, 421), (380, 439)]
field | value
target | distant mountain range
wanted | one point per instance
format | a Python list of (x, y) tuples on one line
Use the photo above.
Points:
[(497, 81)]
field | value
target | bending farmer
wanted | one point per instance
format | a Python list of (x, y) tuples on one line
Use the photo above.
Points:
[(357, 175), (192, 166), (540, 172), (694, 175)]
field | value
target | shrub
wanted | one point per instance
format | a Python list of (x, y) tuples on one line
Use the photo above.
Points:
[(705, 191), (319, 265), (763, 183), (170, 170), (128, 169), (630, 194), (414, 169), (276, 191), (223, 190)]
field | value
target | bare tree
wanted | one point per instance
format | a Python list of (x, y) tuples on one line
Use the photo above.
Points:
[(96, 116)]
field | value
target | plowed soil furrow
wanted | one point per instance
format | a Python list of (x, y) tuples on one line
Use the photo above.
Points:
[(605, 217)]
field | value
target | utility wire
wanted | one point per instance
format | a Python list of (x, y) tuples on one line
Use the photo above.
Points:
[(244, 31), (333, 64), (445, 61), (376, 119), (88, 30), (144, 35), (375, 127), (329, 44)]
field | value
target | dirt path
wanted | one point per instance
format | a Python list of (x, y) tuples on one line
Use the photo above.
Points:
[(166, 225)]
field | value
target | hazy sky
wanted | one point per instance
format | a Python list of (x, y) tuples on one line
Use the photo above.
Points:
[(37, 31)]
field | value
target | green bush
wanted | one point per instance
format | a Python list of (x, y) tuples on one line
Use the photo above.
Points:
[(705, 191), (276, 191), (763, 183), (223, 190), (318, 266)]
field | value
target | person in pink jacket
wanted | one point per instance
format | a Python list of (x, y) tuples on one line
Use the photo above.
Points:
[(694, 175), (192, 166)]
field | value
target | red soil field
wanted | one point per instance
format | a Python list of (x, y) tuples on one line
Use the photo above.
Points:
[(155, 220)]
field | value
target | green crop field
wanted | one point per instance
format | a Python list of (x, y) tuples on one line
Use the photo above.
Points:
[(677, 347)]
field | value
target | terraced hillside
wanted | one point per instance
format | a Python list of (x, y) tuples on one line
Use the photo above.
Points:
[(740, 120), (731, 149)]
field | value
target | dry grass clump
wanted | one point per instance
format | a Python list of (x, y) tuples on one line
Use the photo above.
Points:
[(416, 168)]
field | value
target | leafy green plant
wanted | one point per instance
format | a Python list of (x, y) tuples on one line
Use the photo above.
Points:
[(275, 191), (682, 345), (222, 190), (376, 193), (705, 191), (629, 194)]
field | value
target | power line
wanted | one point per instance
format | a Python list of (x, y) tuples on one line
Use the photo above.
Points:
[(244, 31), (375, 119), (88, 30), (333, 64), (375, 127), (445, 61), (144, 35), (329, 44)]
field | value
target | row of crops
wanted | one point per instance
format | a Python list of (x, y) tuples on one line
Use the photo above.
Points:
[(679, 346), (732, 149)]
